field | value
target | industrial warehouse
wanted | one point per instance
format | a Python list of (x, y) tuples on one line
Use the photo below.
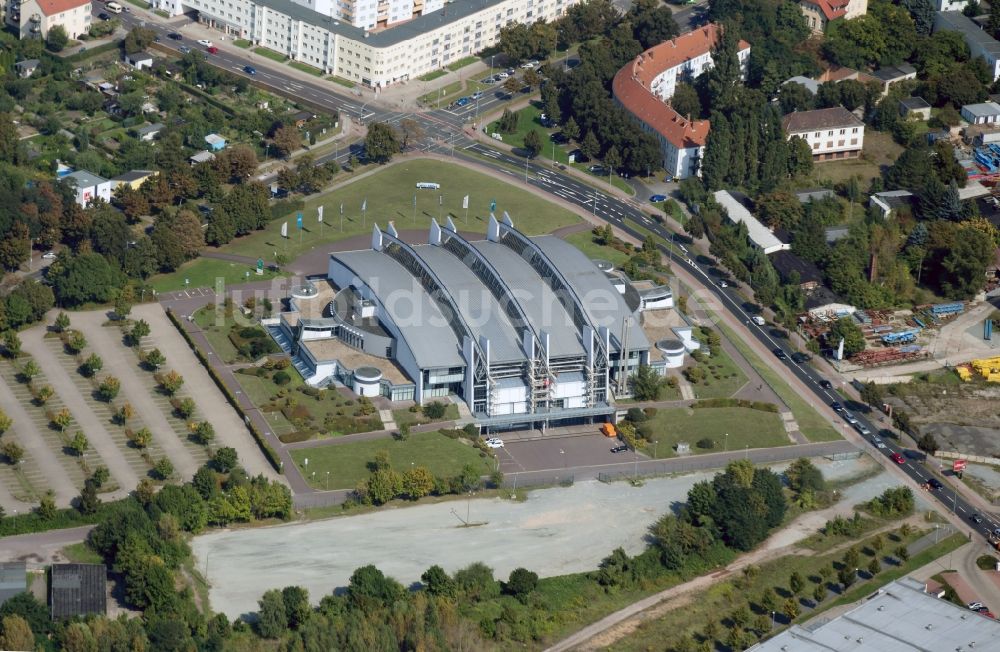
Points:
[(525, 331)]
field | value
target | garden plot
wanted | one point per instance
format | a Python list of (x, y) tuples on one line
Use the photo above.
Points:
[(46, 463)]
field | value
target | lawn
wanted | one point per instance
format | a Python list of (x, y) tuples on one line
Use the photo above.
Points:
[(811, 423), (415, 418), (390, 194), (723, 377), (431, 76), (81, 553), (217, 334), (304, 67), (347, 463), (461, 63), (340, 80), (270, 54), (746, 427), (242, 43), (205, 272), (584, 241), (879, 150)]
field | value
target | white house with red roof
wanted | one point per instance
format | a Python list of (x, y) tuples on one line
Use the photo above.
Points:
[(820, 13), (34, 18), (644, 88)]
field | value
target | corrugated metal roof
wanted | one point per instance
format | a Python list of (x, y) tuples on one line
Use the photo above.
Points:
[(78, 589), (760, 234)]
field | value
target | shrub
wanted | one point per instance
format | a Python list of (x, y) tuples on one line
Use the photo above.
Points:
[(311, 391), (987, 562), (281, 378), (295, 437), (706, 443), (636, 415), (435, 410)]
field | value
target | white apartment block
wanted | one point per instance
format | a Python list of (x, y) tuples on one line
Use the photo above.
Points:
[(833, 133), (375, 59), (34, 18)]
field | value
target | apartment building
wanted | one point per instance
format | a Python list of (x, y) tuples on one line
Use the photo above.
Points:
[(833, 133), (820, 13), (372, 58), (644, 88), (34, 18)]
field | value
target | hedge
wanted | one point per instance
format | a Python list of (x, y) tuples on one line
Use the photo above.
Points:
[(269, 452), (64, 518)]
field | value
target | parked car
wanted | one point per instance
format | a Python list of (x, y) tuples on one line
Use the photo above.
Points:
[(250, 70), (619, 449), (579, 156), (656, 199), (103, 16), (49, 255), (975, 606), (723, 284), (212, 50), (780, 354), (175, 36), (488, 80), (898, 459), (502, 75), (597, 169), (204, 42), (559, 137), (494, 442)]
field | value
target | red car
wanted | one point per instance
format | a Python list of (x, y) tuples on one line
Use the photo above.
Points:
[(898, 459), (212, 50)]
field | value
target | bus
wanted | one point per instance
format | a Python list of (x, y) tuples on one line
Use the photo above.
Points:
[(428, 185)]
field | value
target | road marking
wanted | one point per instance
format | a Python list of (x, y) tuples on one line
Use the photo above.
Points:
[(961, 508)]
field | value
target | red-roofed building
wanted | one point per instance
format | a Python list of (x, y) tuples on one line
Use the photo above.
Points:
[(820, 13), (34, 18), (644, 87)]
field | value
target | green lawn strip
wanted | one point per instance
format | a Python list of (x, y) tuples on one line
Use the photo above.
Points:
[(723, 597), (242, 43), (584, 241), (745, 426), (217, 334), (461, 63), (138, 3), (389, 194), (270, 54), (432, 75), (203, 272), (405, 416), (723, 377), (340, 80), (811, 423), (260, 391), (348, 463), (304, 67), (81, 553)]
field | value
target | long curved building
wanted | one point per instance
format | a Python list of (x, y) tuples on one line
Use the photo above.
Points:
[(646, 84), (527, 331)]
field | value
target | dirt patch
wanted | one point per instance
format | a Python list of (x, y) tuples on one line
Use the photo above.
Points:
[(609, 636)]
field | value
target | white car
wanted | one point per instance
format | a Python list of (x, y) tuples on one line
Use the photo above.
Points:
[(205, 42), (476, 95), (49, 255), (493, 442), (502, 75), (878, 443), (723, 284)]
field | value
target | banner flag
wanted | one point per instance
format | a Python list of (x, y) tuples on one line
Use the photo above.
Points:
[(284, 230), (465, 202)]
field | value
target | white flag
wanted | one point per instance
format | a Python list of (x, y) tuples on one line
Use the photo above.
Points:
[(465, 202), (284, 230), (320, 219), (364, 204)]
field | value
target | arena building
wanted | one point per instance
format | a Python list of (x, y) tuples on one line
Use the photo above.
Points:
[(526, 331)]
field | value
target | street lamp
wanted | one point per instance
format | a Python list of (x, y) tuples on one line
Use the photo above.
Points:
[(726, 449), (328, 480)]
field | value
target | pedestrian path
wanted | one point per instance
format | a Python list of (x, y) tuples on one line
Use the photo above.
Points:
[(388, 423)]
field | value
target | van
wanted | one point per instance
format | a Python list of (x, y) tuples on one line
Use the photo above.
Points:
[(114, 7), (428, 185), (609, 430), (757, 319)]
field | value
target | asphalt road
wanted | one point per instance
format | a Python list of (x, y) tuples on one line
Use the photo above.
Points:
[(444, 134)]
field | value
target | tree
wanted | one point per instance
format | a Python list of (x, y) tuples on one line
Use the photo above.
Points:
[(15, 247), (532, 143), (163, 468), (17, 634), (297, 609), (204, 433), (29, 370), (790, 609), (369, 589), (138, 39), (512, 85), (109, 388), (646, 384), (819, 593), (418, 482), (75, 342), (61, 323), (154, 359), (590, 146), (11, 344), (685, 100), (5, 422), (272, 618), (56, 39), (185, 407), (139, 330), (874, 567), (571, 129), (225, 459), (724, 77), (12, 452), (242, 162), (412, 131), (848, 330), (437, 582), (89, 502), (286, 139), (803, 476), (79, 443), (652, 23), (381, 142), (62, 419), (928, 444), (125, 412), (142, 438), (847, 576), (87, 277), (796, 583), (903, 553), (521, 583)]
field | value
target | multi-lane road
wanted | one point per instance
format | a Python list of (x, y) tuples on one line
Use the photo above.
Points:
[(444, 129)]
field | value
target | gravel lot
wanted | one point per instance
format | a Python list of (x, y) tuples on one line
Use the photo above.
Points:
[(553, 532)]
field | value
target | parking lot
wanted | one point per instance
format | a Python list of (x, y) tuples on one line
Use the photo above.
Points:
[(557, 453)]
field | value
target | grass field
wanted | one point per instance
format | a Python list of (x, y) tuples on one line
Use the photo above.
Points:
[(242, 43), (722, 377), (390, 193), (216, 334), (811, 423), (584, 241), (270, 54), (304, 67), (340, 80), (347, 463), (431, 76), (717, 602), (746, 427), (405, 416), (461, 63), (81, 553), (203, 272)]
